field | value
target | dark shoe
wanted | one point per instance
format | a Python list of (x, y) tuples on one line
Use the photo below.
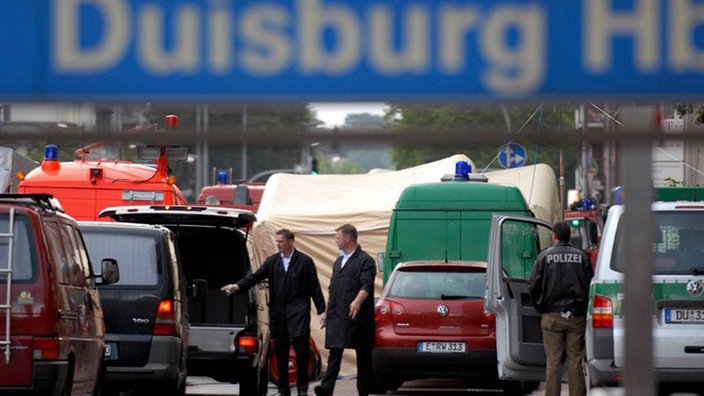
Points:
[(320, 391), (302, 392)]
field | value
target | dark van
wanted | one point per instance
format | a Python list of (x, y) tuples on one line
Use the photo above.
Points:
[(51, 336), (145, 311), (229, 335)]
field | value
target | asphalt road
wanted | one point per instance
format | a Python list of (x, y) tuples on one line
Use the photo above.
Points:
[(347, 387)]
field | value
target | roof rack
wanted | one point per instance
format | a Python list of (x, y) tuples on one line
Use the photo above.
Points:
[(43, 201)]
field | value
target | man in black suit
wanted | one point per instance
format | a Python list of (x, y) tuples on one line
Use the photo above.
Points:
[(293, 282), (349, 320)]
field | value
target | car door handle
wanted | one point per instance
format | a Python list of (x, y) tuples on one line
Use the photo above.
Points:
[(68, 315)]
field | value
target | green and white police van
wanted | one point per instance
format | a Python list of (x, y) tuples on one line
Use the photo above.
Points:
[(678, 286), (678, 300)]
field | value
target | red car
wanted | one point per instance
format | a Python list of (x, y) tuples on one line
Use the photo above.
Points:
[(431, 323)]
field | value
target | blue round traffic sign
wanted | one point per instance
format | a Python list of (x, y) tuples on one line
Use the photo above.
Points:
[(512, 155)]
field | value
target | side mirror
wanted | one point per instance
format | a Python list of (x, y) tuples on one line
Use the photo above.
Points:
[(380, 257), (110, 272), (198, 288)]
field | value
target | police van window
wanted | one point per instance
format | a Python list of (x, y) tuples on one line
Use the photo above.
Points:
[(24, 252), (678, 246)]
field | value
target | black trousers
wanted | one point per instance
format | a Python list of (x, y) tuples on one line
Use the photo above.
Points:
[(364, 370), (301, 345)]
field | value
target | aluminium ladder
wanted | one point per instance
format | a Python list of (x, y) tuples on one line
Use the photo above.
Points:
[(7, 306)]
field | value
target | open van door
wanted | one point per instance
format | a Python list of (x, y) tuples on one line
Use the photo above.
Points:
[(514, 244)]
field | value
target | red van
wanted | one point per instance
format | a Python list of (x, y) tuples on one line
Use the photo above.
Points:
[(51, 330)]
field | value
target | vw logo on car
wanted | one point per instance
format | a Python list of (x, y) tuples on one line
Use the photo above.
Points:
[(695, 287), (443, 310)]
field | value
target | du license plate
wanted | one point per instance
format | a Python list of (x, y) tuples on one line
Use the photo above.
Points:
[(441, 347), (684, 315)]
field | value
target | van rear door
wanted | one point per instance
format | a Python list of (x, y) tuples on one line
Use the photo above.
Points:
[(514, 243)]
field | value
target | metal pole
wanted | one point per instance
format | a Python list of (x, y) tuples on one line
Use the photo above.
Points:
[(205, 149), (244, 141), (199, 151), (585, 193), (636, 173)]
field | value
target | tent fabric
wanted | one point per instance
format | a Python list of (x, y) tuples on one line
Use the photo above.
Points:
[(313, 206)]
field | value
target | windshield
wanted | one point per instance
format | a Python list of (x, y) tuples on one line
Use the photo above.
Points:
[(438, 285), (679, 243)]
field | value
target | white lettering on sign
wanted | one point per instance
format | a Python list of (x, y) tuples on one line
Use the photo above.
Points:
[(311, 37), (641, 23), (71, 57)]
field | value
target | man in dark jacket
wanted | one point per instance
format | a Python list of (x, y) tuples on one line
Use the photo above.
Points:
[(349, 320), (293, 282), (559, 290)]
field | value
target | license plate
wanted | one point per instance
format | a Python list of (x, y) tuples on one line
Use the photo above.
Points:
[(441, 347), (110, 351), (679, 315)]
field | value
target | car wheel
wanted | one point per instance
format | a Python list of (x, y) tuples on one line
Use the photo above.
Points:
[(530, 386), (177, 387), (381, 383), (255, 381), (263, 379), (512, 388), (314, 372), (106, 391)]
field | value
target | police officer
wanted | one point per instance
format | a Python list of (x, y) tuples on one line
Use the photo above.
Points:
[(559, 290)]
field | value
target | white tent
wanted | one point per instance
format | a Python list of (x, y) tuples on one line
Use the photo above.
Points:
[(313, 206)]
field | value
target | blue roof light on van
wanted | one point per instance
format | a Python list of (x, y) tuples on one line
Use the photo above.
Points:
[(462, 171), (51, 153), (222, 177)]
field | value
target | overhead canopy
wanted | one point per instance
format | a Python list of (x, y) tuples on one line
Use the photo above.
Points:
[(313, 206)]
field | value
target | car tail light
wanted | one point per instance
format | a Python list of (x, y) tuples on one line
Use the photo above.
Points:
[(603, 312), (488, 315), (165, 323), (247, 344), (389, 310), (45, 348)]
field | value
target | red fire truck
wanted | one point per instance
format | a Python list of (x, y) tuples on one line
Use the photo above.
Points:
[(86, 186)]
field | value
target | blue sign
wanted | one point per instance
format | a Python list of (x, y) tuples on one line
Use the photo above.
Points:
[(512, 155), (375, 50)]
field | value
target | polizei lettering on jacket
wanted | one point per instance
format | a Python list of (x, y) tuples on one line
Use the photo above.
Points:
[(563, 258)]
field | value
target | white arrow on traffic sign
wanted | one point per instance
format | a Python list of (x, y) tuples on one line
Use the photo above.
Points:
[(512, 155)]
